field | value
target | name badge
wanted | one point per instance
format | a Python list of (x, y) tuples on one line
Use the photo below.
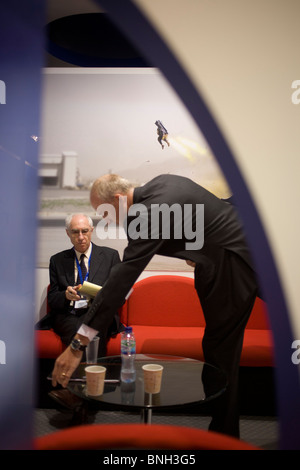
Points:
[(81, 303)]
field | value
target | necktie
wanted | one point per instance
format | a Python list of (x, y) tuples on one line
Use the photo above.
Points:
[(83, 269)]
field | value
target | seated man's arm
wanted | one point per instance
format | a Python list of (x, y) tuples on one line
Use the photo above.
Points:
[(60, 294)]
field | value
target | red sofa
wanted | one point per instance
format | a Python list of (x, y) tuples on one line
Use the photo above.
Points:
[(167, 318), (139, 436)]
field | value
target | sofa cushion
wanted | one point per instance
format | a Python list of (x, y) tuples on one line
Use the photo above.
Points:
[(258, 349), (187, 342), (114, 346), (171, 340), (165, 301), (259, 316), (48, 344)]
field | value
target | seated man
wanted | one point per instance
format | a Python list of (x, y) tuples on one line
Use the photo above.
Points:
[(67, 272)]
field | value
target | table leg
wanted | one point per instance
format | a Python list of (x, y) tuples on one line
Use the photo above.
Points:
[(146, 414)]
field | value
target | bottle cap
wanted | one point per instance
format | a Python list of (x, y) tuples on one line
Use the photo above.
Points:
[(128, 329)]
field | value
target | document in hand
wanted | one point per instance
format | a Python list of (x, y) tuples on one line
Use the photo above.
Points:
[(89, 289)]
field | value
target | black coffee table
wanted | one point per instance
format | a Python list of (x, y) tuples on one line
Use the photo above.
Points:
[(184, 382)]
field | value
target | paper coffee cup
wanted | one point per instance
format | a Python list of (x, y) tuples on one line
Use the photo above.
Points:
[(95, 376), (152, 377)]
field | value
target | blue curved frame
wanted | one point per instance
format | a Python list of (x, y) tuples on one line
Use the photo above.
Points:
[(21, 59), (137, 28)]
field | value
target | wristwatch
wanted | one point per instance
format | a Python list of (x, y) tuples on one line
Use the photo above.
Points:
[(77, 346)]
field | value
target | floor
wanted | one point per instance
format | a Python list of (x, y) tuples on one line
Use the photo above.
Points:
[(261, 431), (258, 423)]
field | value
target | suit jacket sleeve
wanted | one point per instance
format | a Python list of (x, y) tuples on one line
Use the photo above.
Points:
[(137, 255), (56, 296)]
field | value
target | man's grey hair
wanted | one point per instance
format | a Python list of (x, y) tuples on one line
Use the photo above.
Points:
[(69, 218), (107, 186)]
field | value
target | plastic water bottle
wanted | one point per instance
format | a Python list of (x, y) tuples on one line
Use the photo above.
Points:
[(128, 355)]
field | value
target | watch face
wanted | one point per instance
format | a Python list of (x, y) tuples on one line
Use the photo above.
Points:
[(76, 344)]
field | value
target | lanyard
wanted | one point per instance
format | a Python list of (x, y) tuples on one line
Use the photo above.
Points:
[(79, 269)]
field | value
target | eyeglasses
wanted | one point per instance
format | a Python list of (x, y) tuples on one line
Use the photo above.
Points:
[(84, 231)]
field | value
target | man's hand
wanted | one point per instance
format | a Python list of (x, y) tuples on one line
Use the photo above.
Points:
[(66, 363), (64, 366), (72, 294)]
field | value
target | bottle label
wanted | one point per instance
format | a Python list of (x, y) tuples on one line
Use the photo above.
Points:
[(127, 346)]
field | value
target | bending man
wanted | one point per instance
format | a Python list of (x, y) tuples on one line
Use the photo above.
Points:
[(224, 277)]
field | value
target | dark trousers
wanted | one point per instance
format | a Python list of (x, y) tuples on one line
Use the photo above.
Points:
[(66, 326), (227, 289)]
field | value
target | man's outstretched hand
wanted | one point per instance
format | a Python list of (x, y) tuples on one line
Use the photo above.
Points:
[(64, 366)]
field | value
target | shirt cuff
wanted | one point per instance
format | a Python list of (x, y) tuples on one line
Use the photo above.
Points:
[(87, 331)]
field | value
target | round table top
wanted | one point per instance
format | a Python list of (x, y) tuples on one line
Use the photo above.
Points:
[(184, 381)]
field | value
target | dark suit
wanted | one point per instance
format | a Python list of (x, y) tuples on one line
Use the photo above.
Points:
[(224, 278), (61, 270)]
